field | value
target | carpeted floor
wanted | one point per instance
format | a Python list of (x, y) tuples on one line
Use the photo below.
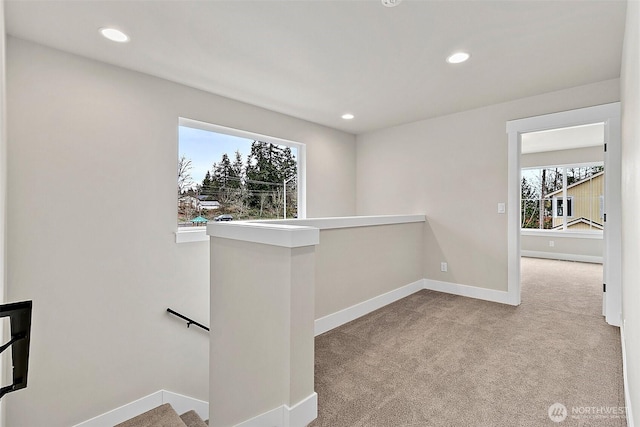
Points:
[(434, 359), (165, 416)]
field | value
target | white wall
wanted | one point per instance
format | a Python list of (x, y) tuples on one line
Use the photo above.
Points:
[(630, 92), (92, 154), (354, 265), (564, 247), (4, 365), (454, 169), (262, 343)]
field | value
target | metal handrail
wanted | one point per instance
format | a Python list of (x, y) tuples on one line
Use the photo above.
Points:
[(188, 320)]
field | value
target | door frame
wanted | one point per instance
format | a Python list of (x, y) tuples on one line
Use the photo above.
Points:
[(609, 114)]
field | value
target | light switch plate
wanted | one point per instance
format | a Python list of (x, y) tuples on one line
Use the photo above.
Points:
[(502, 208)]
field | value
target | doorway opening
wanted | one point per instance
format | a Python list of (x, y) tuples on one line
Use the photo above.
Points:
[(568, 164), (562, 217)]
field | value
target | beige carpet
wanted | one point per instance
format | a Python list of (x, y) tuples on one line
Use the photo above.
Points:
[(192, 419), (165, 416), (434, 359), (162, 416)]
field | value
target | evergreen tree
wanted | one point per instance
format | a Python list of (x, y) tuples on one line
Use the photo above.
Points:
[(262, 173), (268, 166), (237, 172), (223, 172), (207, 185)]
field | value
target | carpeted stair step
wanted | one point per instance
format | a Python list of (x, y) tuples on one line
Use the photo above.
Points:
[(192, 419), (162, 416)]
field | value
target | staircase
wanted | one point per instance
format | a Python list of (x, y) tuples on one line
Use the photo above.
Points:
[(165, 416)]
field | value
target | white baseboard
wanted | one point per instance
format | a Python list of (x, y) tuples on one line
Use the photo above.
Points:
[(298, 415), (179, 402), (339, 318), (627, 397), (563, 257), (272, 418), (469, 291), (302, 413), (348, 314)]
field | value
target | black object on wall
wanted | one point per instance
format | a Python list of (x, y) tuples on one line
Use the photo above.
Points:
[(188, 320), (19, 314)]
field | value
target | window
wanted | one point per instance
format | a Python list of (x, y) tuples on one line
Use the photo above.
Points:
[(226, 175), (558, 207), (563, 198)]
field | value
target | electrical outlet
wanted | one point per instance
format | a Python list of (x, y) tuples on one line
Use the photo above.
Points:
[(443, 266), (551, 243)]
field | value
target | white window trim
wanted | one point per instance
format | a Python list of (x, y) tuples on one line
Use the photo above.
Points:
[(582, 234), (191, 234), (199, 234)]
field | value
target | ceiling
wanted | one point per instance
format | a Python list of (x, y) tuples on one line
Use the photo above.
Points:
[(316, 60), (591, 135)]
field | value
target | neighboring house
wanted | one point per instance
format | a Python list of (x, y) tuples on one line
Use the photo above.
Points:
[(585, 204), (208, 205), (199, 202), (188, 201)]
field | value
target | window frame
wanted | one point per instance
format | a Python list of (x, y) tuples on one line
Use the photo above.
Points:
[(199, 234), (554, 207), (587, 234)]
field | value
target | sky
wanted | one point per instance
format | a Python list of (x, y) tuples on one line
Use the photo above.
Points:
[(204, 148), (531, 174)]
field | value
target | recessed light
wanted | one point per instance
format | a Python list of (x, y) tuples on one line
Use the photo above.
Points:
[(348, 116), (458, 57), (114, 35), (391, 3)]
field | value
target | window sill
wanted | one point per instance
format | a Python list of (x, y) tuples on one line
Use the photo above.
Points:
[(558, 233), (192, 234)]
